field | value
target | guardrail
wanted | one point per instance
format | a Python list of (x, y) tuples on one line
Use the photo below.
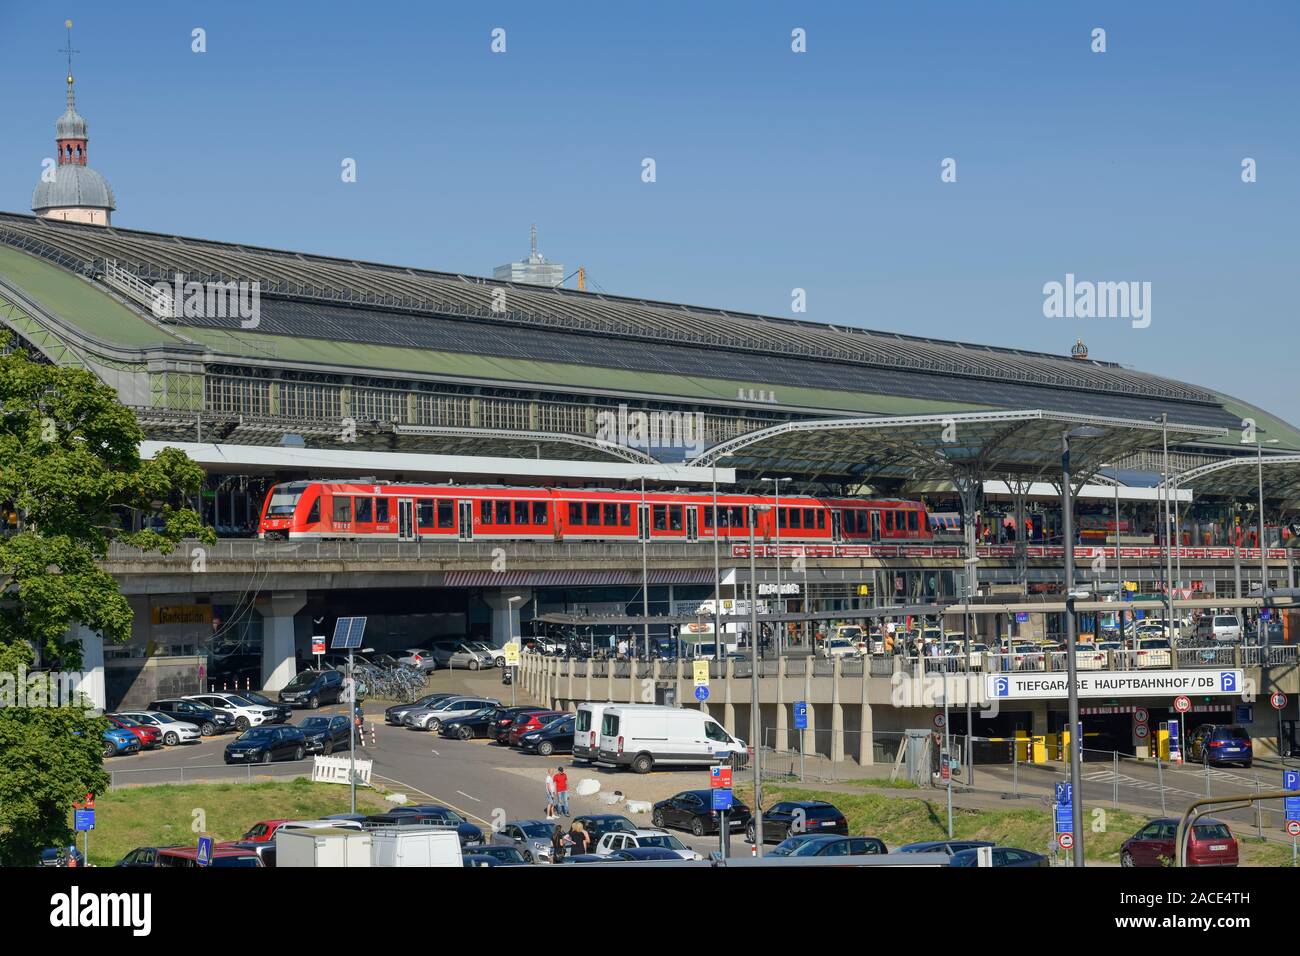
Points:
[(207, 773)]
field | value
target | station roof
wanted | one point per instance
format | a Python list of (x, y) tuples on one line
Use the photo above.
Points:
[(1240, 477)]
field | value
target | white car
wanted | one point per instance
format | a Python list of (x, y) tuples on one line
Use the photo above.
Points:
[(622, 840), (840, 647), (246, 713), (498, 654), (173, 731), (1154, 652)]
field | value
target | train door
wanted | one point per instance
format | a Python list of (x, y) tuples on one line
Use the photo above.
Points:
[(405, 519), (875, 527), (837, 526), (465, 512), (643, 522), (692, 523)]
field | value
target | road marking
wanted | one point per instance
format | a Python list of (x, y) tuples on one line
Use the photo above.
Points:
[(435, 753), (464, 794), (405, 786)]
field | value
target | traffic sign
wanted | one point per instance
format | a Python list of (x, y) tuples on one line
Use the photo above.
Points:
[(723, 799), (318, 644), (1291, 779), (945, 766), (1064, 817), (1182, 704), (512, 654), (940, 721), (1141, 716), (801, 715), (1065, 794), (701, 671), (1141, 731), (1292, 808), (205, 851), (83, 820), (701, 694), (1277, 699), (1066, 840), (720, 778), (1293, 827)]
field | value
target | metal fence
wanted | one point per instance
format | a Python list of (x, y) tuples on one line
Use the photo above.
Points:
[(210, 773)]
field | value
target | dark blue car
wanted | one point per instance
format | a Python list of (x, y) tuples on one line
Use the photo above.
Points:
[(1219, 745), (555, 737)]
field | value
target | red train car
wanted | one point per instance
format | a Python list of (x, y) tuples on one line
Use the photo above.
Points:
[(348, 509)]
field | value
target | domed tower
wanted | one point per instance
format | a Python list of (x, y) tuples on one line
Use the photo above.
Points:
[(71, 190)]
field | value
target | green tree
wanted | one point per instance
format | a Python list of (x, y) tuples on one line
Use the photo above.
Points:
[(71, 478)]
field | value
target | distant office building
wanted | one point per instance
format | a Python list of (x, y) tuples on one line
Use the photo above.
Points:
[(535, 270)]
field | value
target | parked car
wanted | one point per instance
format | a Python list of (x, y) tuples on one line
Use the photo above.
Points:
[(463, 654), (397, 713), (453, 708), (263, 831), (821, 844), (545, 732), (223, 856), (61, 856), (282, 711), (499, 855), (173, 731), (243, 711), (789, 817), (1219, 627), (324, 735), (118, 741), (264, 744), (942, 846), (647, 853), (497, 654), (506, 721), (1002, 856), (839, 647), (143, 856), (150, 737), (531, 837), (641, 736), (263, 851), (598, 824), (421, 658), (481, 723), (434, 814), (657, 839), (312, 688), (790, 844), (1210, 843), (693, 810), (1154, 652), (1220, 745), (208, 721)]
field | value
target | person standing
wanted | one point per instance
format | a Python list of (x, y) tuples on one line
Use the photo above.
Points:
[(580, 838), (550, 796), (558, 840), (561, 780)]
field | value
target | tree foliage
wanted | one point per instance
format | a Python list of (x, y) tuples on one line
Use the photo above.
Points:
[(72, 476)]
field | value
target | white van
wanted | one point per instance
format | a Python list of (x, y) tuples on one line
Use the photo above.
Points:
[(414, 846), (586, 730), (323, 846), (643, 735)]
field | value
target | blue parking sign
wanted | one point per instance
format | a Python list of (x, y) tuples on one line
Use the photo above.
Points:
[(83, 820), (701, 694), (1291, 779), (1064, 794), (722, 799), (801, 715)]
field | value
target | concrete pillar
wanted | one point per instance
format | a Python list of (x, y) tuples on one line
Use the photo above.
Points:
[(1038, 719), (782, 740), (808, 739), (728, 707), (505, 618), (866, 746), (837, 713), (609, 680), (278, 666), (569, 663), (587, 691), (92, 666)]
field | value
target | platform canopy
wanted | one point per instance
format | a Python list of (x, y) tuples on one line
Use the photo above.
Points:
[(967, 446), (1240, 477)]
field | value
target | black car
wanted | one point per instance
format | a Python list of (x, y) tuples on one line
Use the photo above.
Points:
[(208, 721), (498, 854), (355, 817), (507, 717), (393, 715), (282, 713), (693, 810), (313, 688), (555, 738), (829, 845), (942, 846), (598, 824), (1002, 856), (143, 856), (799, 816), (264, 744), (481, 723), (326, 734), (643, 853), (429, 814)]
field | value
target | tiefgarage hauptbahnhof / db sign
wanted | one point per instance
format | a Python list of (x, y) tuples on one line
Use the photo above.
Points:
[(1114, 684)]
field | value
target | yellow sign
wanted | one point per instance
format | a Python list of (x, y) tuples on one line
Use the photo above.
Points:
[(864, 590), (183, 614), (701, 673), (512, 654)]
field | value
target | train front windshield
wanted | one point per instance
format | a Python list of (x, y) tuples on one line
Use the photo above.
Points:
[(284, 498)]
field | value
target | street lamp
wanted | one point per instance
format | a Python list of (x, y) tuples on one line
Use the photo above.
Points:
[(1076, 745), (755, 723), (352, 730), (970, 563), (1119, 560), (1263, 554), (510, 634), (717, 573), (645, 578), (776, 485)]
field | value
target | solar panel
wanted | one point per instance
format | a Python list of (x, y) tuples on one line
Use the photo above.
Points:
[(347, 633)]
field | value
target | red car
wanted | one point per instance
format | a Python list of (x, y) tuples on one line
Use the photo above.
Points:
[(1210, 843), (526, 724), (150, 737), (263, 832)]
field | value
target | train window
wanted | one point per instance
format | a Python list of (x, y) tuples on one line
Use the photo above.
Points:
[(708, 516), (807, 517), (625, 516), (738, 517), (503, 512), (911, 521), (593, 512), (365, 509), (342, 509), (675, 517), (796, 517), (575, 513), (821, 519), (313, 515), (864, 521), (781, 519), (609, 514), (521, 512), (661, 518), (424, 512), (539, 512), (381, 509), (485, 512), (446, 514)]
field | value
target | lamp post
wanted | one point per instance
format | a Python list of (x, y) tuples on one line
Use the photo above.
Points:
[(645, 578), (971, 563), (1263, 553), (1119, 559), (717, 573), (1169, 554), (510, 634), (776, 485), (755, 723)]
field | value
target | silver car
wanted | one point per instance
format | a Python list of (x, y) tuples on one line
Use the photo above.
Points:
[(531, 837), (421, 658), (460, 654), (453, 708)]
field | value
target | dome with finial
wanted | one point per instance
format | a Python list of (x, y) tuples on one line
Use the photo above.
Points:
[(1080, 351), (71, 125)]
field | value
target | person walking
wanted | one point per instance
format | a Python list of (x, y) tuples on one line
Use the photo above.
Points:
[(550, 795), (561, 780)]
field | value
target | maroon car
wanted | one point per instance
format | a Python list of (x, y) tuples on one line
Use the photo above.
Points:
[(527, 723), (506, 718), (1210, 843)]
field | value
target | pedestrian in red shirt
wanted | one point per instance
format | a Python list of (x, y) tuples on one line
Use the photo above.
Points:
[(562, 791)]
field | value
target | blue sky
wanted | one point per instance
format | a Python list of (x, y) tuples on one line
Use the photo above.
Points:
[(775, 170)]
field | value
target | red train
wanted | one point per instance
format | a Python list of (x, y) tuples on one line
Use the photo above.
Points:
[(347, 509)]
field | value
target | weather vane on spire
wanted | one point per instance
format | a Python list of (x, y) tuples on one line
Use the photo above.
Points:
[(69, 51)]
